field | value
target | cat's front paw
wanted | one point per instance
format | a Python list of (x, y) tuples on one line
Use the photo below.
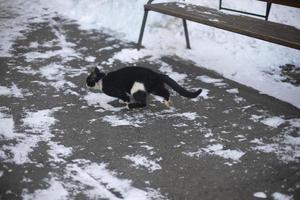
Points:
[(121, 101)]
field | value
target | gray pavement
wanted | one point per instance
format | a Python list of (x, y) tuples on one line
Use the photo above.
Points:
[(70, 143)]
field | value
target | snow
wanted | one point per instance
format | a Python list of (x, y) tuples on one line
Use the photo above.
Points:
[(115, 120), (233, 91), (273, 121), (187, 115), (280, 196), (166, 69), (56, 191), (6, 123), (105, 184), (13, 91), (239, 58), (243, 59), (207, 79), (37, 125), (140, 161), (90, 59), (287, 148), (218, 149), (100, 100), (260, 195)]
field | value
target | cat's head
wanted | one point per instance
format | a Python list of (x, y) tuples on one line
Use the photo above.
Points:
[(93, 78)]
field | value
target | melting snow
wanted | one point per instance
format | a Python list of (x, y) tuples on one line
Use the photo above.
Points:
[(90, 59), (207, 79), (56, 191), (273, 121), (104, 184), (13, 91), (167, 69), (218, 149), (101, 100), (140, 161), (187, 115), (37, 126), (6, 124), (261, 195), (125, 120), (233, 91), (280, 196)]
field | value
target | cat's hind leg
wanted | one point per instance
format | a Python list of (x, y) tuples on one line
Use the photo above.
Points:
[(140, 98), (164, 93)]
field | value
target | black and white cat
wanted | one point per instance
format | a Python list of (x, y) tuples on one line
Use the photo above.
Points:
[(135, 83)]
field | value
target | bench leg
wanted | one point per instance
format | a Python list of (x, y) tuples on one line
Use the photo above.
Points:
[(186, 33), (268, 11), (139, 45)]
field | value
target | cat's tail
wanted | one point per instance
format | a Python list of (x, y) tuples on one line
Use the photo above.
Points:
[(174, 85)]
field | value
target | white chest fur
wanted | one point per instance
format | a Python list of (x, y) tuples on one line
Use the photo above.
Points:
[(98, 85), (137, 86)]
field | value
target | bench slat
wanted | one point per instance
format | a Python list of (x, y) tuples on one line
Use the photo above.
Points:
[(269, 31)]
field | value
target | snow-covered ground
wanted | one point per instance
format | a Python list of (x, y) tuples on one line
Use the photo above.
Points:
[(190, 134), (240, 58)]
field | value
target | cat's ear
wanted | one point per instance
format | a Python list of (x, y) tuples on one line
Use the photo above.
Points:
[(97, 71)]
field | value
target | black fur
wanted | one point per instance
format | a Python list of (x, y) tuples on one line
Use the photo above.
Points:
[(119, 84)]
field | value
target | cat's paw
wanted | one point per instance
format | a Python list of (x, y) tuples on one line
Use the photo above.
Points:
[(169, 104), (121, 101)]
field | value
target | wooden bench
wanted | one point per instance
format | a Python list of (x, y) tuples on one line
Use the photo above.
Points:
[(292, 3), (265, 30)]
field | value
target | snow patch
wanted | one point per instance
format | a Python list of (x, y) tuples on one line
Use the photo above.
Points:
[(140, 161), (90, 59), (280, 196), (207, 79), (56, 191), (6, 123), (37, 126), (260, 195), (167, 69), (125, 120), (233, 91), (273, 122), (96, 181), (218, 149), (13, 91), (101, 100), (187, 115), (130, 55)]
